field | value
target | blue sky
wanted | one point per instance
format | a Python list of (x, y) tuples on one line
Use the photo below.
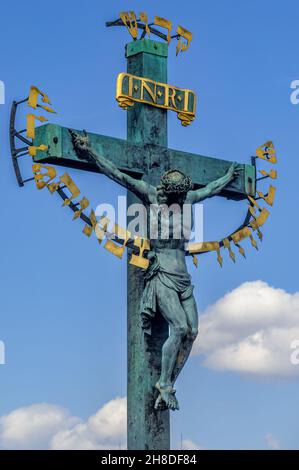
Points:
[(62, 303)]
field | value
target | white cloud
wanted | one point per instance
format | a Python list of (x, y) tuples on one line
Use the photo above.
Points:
[(45, 426), (33, 426), (272, 442), (104, 430), (250, 330), (187, 444)]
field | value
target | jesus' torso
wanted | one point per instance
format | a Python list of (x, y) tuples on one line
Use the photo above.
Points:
[(168, 228)]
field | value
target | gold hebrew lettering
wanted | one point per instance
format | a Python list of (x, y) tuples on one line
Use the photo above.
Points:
[(104, 222), (52, 187), (114, 248), (130, 21), (253, 242), (272, 173), (259, 234), (144, 19), (138, 260), (50, 174), (87, 230), (32, 149), (195, 260), (71, 186), (31, 124), (183, 33), (219, 257), (269, 198), (254, 202), (241, 249), (33, 99), (101, 228), (226, 244), (267, 152), (84, 203), (260, 220), (203, 247), (158, 21), (241, 235)]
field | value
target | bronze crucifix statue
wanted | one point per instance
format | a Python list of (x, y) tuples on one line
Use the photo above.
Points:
[(167, 286)]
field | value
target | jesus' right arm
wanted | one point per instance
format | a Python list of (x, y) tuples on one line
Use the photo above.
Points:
[(140, 188)]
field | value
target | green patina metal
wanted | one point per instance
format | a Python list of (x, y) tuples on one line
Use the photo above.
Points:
[(144, 154), (139, 159), (147, 428), (148, 46)]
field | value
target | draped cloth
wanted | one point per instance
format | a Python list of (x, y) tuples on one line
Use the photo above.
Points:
[(180, 282)]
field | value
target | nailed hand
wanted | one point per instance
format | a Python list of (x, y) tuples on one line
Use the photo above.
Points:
[(233, 171), (81, 145)]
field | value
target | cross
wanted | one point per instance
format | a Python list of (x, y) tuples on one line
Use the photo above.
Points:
[(144, 155)]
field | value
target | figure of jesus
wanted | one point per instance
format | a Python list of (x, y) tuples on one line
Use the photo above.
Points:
[(168, 289)]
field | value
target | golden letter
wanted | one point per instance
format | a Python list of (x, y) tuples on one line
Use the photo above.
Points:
[(170, 96), (33, 97), (254, 202), (31, 124), (84, 203), (203, 247), (130, 21), (152, 93), (253, 242), (124, 99), (138, 260), (39, 177), (219, 257), (33, 149), (101, 228), (260, 220), (143, 17), (87, 230), (183, 33), (158, 21), (71, 186), (241, 235), (267, 152), (272, 174), (226, 244), (32, 102), (195, 260), (113, 247), (269, 198), (131, 89)]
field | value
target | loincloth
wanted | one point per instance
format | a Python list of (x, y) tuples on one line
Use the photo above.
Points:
[(179, 282)]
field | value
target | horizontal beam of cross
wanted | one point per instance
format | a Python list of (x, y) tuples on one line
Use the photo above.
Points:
[(140, 160)]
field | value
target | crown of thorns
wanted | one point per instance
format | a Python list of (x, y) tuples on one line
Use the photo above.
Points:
[(174, 181)]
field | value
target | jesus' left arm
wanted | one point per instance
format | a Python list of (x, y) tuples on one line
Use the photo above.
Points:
[(213, 188)]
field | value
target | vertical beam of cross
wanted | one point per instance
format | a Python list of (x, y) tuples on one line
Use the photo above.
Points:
[(147, 428)]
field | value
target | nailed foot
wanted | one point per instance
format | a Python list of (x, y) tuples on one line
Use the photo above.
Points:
[(167, 398)]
